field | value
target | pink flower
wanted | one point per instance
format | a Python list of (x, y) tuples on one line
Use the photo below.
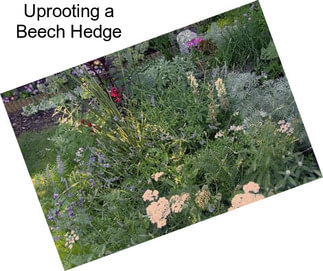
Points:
[(194, 42)]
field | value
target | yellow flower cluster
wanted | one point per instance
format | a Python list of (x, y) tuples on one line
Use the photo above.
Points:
[(212, 107), (157, 175), (177, 202), (202, 198), (250, 195), (150, 195), (236, 128), (70, 239), (158, 211), (285, 127), (193, 83), (219, 134), (222, 93)]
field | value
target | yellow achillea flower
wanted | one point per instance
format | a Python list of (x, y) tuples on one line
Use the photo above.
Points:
[(202, 198), (177, 202), (157, 175), (150, 195), (158, 212), (70, 239), (251, 187), (250, 195)]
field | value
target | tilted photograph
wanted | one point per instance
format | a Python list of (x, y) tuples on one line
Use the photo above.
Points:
[(164, 134)]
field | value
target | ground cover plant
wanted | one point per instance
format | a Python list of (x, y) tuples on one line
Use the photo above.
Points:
[(155, 138)]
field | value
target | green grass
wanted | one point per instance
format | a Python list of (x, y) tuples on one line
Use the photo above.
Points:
[(37, 150)]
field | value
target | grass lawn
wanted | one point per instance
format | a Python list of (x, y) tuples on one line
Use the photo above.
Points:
[(37, 150)]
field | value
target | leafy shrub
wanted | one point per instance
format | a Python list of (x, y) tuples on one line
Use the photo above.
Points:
[(273, 162), (257, 97), (162, 73), (269, 62)]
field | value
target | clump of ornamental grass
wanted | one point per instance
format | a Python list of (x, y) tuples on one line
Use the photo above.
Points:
[(119, 124)]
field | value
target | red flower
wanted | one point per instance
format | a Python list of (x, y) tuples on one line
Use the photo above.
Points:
[(82, 121), (115, 93), (89, 124), (118, 99)]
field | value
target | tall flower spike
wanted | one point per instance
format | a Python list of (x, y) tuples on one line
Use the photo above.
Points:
[(212, 107), (222, 93), (193, 83)]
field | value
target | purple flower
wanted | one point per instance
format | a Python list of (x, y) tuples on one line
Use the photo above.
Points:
[(92, 183), (5, 99), (56, 212), (69, 208), (55, 196), (71, 214), (50, 217), (59, 203), (80, 202), (245, 14), (194, 42), (56, 238), (29, 88), (70, 211)]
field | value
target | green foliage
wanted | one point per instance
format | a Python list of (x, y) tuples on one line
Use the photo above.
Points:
[(131, 56), (67, 139), (37, 150), (163, 44), (218, 165), (270, 62), (231, 17), (273, 162), (46, 104), (162, 73), (256, 98), (240, 45)]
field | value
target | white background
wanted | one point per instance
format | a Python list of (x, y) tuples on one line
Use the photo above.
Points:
[(283, 232)]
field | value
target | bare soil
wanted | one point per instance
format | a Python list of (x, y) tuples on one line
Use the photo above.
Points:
[(35, 122)]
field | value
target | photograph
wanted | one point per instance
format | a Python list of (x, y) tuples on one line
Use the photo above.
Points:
[(156, 137)]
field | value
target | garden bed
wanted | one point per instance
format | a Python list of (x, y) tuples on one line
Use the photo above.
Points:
[(15, 106), (36, 122)]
